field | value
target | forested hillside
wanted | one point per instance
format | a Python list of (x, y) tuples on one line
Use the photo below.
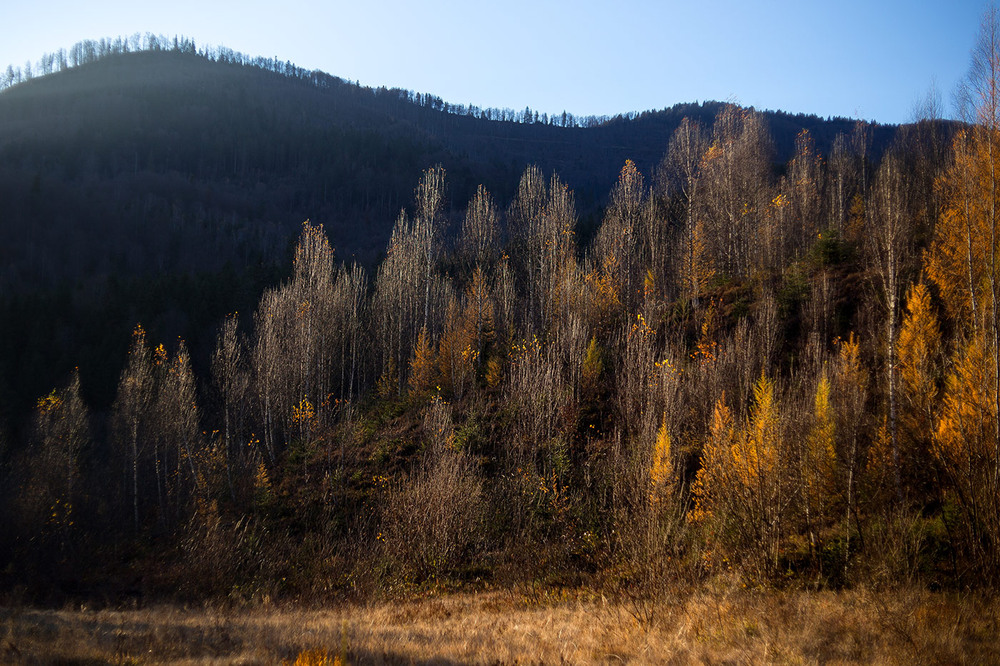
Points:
[(170, 159), (777, 366), (146, 180)]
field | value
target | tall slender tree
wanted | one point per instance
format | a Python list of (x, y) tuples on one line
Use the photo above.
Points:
[(889, 235), (130, 412)]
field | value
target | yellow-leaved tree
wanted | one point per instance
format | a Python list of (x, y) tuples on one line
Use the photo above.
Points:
[(713, 503), (422, 364), (740, 494), (964, 445), (919, 353), (661, 471), (457, 353), (756, 457), (964, 264), (850, 384), (818, 462)]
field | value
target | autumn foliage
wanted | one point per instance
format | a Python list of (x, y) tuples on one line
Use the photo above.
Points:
[(737, 375)]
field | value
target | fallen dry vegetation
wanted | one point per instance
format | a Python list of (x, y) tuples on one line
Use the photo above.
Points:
[(708, 626)]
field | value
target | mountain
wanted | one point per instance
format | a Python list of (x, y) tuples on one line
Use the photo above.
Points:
[(167, 186), (170, 161)]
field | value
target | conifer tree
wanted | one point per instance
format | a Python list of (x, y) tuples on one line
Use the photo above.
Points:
[(818, 461), (919, 353)]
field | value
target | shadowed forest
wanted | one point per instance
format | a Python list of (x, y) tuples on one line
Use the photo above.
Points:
[(779, 367), (143, 180)]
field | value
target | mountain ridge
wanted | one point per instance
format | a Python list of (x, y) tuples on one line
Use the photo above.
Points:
[(162, 113)]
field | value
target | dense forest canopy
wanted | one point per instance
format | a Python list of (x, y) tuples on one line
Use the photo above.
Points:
[(778, 360)]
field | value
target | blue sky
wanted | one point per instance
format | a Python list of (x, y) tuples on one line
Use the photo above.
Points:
[(872, 60)]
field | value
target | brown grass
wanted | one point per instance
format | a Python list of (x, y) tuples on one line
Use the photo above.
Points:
[(709, 626)]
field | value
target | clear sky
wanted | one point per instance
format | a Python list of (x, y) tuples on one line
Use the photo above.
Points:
[(870, 59)]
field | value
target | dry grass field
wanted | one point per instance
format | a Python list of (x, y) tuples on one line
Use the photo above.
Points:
[(712, 627)]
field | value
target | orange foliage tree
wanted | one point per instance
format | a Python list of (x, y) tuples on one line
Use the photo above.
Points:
[(740, 492), (919, 353), (964, 263)]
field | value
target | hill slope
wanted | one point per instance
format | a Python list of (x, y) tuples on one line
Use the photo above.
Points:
[(170, 161), (166, 187)]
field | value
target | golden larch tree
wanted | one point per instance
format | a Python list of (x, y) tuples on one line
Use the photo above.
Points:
[(919, 352), (818, 460)]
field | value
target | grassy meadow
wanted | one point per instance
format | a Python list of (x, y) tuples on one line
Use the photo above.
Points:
[(718, 624)]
